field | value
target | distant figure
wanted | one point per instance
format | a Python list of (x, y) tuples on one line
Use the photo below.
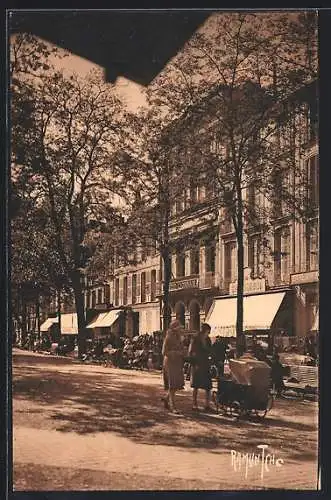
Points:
[(173, 364), (277, 371), (219, 353), (98, 351), (310, 346), (200, 351)]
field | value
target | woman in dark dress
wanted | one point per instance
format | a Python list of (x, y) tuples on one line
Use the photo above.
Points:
[(200, 352)]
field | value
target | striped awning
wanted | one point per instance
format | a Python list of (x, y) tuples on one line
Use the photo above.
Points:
[(69, 324), (48, 323), (259, 313), (104, 320)]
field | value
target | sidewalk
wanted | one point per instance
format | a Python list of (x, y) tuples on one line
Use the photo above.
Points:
[(79, 426), (115, 454)]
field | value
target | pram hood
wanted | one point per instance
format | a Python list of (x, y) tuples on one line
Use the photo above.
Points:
[(250, 371)]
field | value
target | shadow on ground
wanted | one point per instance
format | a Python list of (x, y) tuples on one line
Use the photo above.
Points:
[(118, 402)]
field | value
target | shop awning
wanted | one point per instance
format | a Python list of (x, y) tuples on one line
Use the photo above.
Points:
[(105, 319), (69, 324), (259, 313), (45, 326)]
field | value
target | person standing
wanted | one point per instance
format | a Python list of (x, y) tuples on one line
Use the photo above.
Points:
[(200, 352), (173, 364), (219, 352)]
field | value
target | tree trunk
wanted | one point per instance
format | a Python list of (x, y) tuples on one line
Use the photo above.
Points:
[(166, 286), (240, 296), (241, 344), (24, 319), (79, 302), (38, 318), (58, 300)]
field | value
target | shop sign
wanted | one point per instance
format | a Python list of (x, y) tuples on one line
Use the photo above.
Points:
[(256, 285), (308, 277), (184, 284)]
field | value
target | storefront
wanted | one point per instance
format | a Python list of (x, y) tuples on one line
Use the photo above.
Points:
[(106, 324), (69, 324), (306, 306), (148, 317), (50, 327), (270, 311)]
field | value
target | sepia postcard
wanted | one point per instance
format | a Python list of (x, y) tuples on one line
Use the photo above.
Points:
[(164, 249)]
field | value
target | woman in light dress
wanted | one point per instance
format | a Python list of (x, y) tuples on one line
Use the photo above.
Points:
[(173, 364)]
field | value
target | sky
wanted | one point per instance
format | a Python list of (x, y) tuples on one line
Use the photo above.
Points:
[(130, 91)]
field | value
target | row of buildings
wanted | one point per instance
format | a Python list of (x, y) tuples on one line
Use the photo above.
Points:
[(281, 259), (281, 282)]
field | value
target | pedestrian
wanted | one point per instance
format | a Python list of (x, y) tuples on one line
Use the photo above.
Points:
[(173, 364), (277, 371), (200, 353), (219, 352)]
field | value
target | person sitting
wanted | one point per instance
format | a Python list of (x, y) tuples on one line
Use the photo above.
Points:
[(98, 350), (277, 371)]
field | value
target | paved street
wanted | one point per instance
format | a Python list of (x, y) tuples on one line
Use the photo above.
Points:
[(80, 427)]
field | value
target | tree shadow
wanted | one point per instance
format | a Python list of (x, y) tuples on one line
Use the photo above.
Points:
[(120, 403)]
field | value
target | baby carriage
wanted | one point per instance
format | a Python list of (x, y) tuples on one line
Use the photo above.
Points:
[(247, 391)]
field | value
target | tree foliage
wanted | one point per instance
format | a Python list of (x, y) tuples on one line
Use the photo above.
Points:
[(63, 138), (230, 89)]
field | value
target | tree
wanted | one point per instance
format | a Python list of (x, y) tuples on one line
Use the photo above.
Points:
[(157, 177), (230, 86), (65, 162), (34, 268)]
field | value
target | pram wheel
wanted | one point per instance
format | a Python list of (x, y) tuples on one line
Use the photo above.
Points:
[(262, 413), (235, 409)]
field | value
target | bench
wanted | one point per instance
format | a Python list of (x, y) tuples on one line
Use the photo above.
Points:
[(307, 377)]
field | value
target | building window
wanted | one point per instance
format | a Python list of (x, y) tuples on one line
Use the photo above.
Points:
[(254, 252), (277, 199), (313, 181), (125, 290), (210, 253), (193, 191), (313, 121), (180, 264), (230, 261), (143, 287), (88, 300), (134, 288), (281, 255), (151, 247), (153, 284), (117, 291), (107, 294), (180, 203), (195, 260), (312, 246), (209, 190), (99, 296), (116, 260), (94, 297)]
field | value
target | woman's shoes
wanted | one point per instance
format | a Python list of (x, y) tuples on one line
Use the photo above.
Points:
[(195, 408)]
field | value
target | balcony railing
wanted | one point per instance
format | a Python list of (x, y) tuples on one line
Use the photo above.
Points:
[(187, 282), (207, 280)]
